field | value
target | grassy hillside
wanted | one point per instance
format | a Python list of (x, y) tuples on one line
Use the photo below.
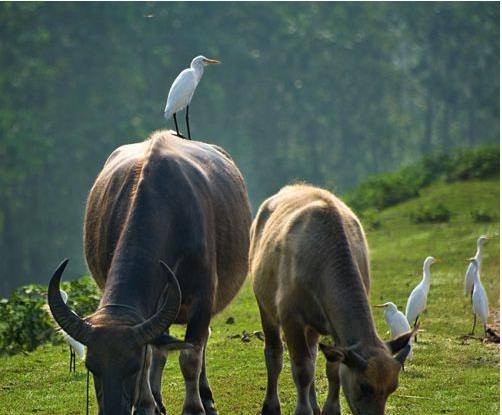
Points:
[(448, 375)]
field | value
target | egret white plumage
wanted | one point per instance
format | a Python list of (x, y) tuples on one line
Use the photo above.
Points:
[(480, 307), (470, 274), (183, 88), (417, 301), (76, 348), (397, 322)]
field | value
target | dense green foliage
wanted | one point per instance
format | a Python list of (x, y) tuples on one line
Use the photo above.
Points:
[(437, 213), (482, 215), (387, 189), (24, 319), (322, 92), (449, 374)]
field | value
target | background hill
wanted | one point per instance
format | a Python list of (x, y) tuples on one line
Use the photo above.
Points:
[(449, 373), (327, 93)]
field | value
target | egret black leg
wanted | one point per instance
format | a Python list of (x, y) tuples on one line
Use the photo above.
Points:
[(416, 335), (72, 360), (176, 125), (188, 124), (473, 326)]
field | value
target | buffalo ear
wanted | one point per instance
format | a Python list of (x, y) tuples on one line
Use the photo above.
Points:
[(332, 353), (354, 360), (400, 342), (344, 354), (403, 354), (169, 343)]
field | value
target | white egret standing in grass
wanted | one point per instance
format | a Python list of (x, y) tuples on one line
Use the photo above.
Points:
[(397, 322), (76, 348), (480, 307), (183, 88), (470, 273), (417, 301)]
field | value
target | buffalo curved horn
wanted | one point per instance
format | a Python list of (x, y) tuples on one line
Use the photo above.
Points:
[(64, 316), (149, 330)]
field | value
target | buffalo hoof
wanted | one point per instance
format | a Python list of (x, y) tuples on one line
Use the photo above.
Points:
[(193, 411), (146, 411), (160, 406), (270, 409), (209, 407), (332, 410), (317, 411)]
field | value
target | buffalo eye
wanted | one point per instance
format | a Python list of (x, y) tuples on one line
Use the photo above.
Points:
[(366, 389)]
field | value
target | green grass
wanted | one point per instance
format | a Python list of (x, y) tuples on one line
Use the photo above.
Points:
[(448, 375)]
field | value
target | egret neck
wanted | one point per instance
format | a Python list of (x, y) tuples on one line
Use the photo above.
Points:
[(198, 69), (478, 251), (426, 280)]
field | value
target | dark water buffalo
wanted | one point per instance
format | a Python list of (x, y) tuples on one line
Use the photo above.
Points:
[(165, 199), (309, 260)]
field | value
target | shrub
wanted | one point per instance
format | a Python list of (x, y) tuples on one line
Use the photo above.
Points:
[(481, 215), (387, 189), (383, 190), (25, 322), (479, 163), (431, 214), (370, 220)]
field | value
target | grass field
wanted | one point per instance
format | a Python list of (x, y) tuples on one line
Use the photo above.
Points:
[(448, 375)]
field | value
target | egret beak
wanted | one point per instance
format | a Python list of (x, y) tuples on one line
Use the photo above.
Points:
[(470, 259), (437, 260), (210, 61), (380, 305)]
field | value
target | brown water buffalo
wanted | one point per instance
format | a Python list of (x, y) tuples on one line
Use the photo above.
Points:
[(165, 199), (309, 261)]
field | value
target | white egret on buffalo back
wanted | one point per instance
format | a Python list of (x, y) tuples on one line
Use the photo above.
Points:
[(417, 301), (183, 88), (480, 307), (76, 348), (470, 274), (397, 322)]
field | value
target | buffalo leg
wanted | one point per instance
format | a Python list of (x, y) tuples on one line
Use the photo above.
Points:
[(205, 390), (273, 360), (191, 359), (158, 362), (332, 405), (312, 340), (302, 365)]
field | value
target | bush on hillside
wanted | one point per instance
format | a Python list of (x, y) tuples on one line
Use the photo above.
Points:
[(437, 213), (482, 215), (25, 322), (370, 219), (384, 190), (479, 163), (387, 189)]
